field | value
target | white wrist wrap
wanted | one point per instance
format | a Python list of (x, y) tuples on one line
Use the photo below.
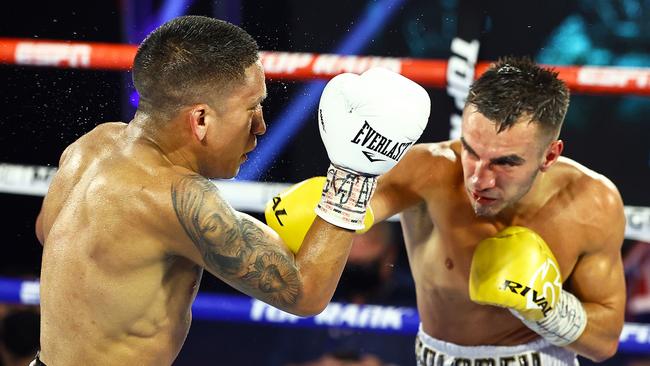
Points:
[(564, 324), (345, 196)]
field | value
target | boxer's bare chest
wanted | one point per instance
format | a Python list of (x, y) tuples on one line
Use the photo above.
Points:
[(441, 238)]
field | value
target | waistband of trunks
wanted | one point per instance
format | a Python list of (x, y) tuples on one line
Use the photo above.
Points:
[(455, 350)]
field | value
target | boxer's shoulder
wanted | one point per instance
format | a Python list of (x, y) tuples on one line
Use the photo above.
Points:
[(428, 156), (596, 205), (433, 165), (86, 146), (584, 184), (102, 133)]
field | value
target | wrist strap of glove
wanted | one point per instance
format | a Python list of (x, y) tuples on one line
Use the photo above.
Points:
[(345, 196), (564, 324)]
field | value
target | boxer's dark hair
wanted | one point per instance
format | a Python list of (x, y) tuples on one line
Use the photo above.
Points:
[(188, 58), (515, 88)]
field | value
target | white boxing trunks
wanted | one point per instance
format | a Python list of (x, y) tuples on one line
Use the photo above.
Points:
[(433, 352)]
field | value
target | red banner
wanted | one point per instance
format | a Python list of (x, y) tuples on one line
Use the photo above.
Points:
[(304, 66)]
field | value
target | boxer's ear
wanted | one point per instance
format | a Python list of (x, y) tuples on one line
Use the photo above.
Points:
[(197, 120), (552, 153)]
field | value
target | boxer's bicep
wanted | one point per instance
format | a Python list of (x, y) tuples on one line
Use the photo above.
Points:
[(598, 275), (598, 280), (235, 247)]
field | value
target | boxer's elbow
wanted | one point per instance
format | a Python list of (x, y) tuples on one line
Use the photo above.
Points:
[(311, 307), (307, 311), (312, 301), (605, 352), (598, 351), (316, 291)]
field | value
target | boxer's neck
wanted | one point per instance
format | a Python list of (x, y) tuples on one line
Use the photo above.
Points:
[(168, 138)]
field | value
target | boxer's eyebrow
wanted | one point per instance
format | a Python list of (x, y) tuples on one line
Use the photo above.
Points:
[(512, 159), (467, 147)]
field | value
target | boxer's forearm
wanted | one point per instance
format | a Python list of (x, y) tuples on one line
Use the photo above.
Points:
[(302, 284), (599, 341), (320, 262)]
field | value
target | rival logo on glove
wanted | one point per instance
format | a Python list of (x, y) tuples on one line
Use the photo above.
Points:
[(373, 140), (547, 280), (278, 213), (522, 290)]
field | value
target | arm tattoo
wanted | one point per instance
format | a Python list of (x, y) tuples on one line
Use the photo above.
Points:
[(233, 246)]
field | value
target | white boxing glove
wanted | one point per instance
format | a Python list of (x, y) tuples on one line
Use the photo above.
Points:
[(367, 123)]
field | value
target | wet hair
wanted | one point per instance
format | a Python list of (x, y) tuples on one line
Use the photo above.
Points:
[(516, 89), (188, 58)]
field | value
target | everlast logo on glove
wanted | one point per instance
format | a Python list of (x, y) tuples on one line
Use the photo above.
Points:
[(373, 140)]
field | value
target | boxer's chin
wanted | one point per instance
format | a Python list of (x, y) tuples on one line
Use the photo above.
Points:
[(485, 206), (231, 174), (224, 172)]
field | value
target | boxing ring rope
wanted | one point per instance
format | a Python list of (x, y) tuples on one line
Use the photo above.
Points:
[(302, 66), (635, 337), (247, 196), (252, 196)]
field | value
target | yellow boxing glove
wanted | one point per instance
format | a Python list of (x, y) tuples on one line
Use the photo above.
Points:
[(291, 213), (516, 269)]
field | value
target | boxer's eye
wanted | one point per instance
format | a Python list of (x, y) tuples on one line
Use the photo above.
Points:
[(507, 162)]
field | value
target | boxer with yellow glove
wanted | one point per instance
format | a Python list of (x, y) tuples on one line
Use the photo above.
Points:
[(292, 212), (516, 269), (367, 122)]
